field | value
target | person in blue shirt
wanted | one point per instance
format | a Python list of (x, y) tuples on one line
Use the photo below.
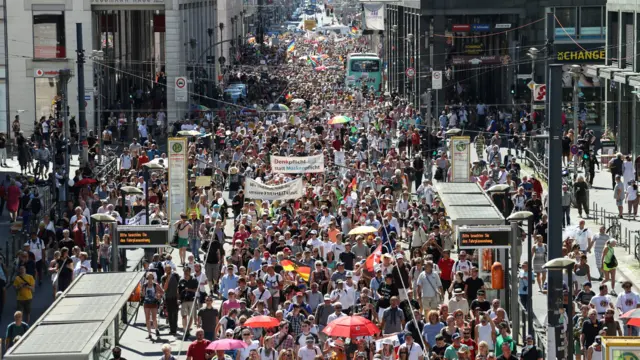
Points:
[(387, 238), (418, 121), (527, 186), (443, 120), (227, 282)]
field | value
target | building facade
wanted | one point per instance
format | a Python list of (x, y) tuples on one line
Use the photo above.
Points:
[(481, 47), (621, 75), (146, 46)]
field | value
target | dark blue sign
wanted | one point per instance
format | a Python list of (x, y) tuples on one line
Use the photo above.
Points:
[(480, 27)]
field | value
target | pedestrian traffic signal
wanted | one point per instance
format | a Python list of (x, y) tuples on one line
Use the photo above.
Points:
[(513, 89)]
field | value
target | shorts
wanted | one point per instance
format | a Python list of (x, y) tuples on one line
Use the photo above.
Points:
[(183, 242), (186, 308), (24, 306), (430, 302), (150, 306), (619, 202), (212, 271)]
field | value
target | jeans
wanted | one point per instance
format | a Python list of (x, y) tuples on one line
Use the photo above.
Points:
[(195, 248), (566, 218), (172, 314), (104, 264), (418, 179), (26, 220)]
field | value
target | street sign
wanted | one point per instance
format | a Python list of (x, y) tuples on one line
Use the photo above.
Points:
[(411, 72), (540, 92), (531, 84), (539, 107), (574, 149), (503, 26), (436, 80), (475, 237), (140, 236), (182, 95)]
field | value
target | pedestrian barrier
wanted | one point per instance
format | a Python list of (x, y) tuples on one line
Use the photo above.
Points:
[(628, 239), (538, 165)]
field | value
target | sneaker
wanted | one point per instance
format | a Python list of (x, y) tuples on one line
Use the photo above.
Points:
[(613, 293)]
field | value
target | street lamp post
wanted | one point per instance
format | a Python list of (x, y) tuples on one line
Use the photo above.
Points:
[(97, 56), (575, 73), (519, 216), (555, 331), (221, 59), (533, 54)]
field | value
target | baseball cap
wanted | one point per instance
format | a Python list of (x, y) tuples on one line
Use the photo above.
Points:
[(455, 336)]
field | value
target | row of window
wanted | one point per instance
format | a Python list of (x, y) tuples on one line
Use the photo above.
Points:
[(585, 22)]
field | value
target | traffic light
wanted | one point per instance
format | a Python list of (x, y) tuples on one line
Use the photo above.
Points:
[(513, 89)]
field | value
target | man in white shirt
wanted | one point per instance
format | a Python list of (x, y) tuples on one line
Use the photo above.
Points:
[(36, 246), (602, 301), (583, 237), (337, 306), (413, 349), (628, 301), (310, 351), (83, 265), (125, 160)]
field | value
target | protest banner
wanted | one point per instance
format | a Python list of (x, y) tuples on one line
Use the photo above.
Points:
[(286, 191), (297, 165)]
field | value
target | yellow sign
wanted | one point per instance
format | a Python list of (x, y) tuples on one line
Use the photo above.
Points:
[(309, 24), (580, 55)]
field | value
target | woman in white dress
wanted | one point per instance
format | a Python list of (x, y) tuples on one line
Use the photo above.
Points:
[(628, 170)]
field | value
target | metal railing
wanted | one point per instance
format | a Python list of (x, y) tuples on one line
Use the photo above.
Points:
[(109, 167), (628, 239), (539, 165)]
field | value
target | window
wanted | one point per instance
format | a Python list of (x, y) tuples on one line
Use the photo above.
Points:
[(48, 35), (365, 65), (591, 24), (567, 17)]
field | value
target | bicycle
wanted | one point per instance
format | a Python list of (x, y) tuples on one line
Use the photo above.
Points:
[(615, 229), (637, 248)]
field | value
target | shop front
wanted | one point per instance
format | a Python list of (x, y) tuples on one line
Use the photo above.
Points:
[(591, 95)]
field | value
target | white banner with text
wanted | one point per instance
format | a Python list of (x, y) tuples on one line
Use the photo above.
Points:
[(297, 165), (291, 190)]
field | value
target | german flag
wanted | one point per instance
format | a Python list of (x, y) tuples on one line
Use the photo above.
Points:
[(302, 270)]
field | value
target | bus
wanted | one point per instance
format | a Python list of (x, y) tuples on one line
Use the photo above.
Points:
[(364, 68)]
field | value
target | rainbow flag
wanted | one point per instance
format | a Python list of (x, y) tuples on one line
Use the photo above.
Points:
[(312, 61), (354, 30), (292, 46), (302, 270)]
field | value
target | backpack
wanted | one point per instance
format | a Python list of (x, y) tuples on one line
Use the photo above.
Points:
[(159, 269), (36, 205)]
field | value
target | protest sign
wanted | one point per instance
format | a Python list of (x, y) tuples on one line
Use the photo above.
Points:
[(286, 191), (297, 165)]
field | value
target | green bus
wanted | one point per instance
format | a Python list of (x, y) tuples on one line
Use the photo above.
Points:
[(364, 68)]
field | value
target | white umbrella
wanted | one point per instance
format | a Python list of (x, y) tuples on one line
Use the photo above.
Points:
[(298, 101)]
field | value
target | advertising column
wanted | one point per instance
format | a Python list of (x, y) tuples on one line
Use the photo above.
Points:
[(460, 158), (178, 177)]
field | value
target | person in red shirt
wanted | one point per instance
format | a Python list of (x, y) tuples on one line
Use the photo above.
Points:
[(467, 340), (198, 349), (79, 235), (142, 159), (337, 144), (446, 265), (537, 186)]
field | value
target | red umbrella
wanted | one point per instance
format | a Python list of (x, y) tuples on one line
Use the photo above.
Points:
[(633, 322), (227, 344), (262, 322), (634, 313), (86, 181), (351, 327)]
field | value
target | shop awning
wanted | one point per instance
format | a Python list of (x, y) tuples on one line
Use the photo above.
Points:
[(608, 71), (622, 77)]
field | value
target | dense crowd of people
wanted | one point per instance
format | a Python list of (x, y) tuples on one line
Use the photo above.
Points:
[(368, 239)]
